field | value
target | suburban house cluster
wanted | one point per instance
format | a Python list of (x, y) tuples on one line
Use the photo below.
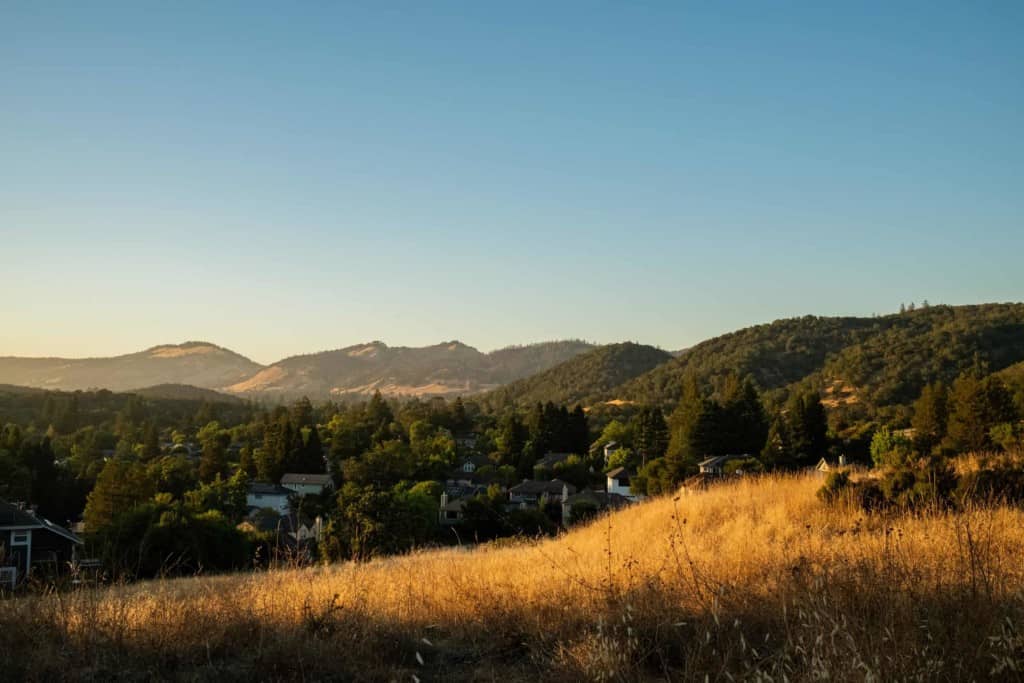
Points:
[(473, 477), (277, 508)]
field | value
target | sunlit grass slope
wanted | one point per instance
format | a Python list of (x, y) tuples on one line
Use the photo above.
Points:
[(755, 579)]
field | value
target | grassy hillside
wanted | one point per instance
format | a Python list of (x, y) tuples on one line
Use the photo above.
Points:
[(582, 378), (450, 368), (195, 363), (751, 580), (880, 362)]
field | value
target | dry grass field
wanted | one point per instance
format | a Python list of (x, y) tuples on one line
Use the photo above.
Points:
[(754, 580)]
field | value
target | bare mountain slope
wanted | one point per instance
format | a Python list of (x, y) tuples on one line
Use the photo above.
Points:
[(449, 368), (196, 363)]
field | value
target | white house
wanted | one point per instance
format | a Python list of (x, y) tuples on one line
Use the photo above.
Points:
[(307, 484), (618, 483), (271, 496)]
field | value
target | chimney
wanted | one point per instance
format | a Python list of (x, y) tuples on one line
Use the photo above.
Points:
[(842, 460), (444, 500)]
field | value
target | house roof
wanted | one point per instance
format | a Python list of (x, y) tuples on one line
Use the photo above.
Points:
[(13, 516), (299, 478), (534, 487), (268, 489), (720, 459), (552, 459), (455, 505), (619, 473), (601, 499)]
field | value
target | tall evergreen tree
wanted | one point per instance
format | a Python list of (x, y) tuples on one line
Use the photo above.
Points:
[(807, 427), (512, 437), (151, 442), (579, 432), (975, 406), (651, 434), (745, 426), (931, 414)]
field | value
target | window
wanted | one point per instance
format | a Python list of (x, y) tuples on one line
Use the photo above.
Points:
[(20, 538)]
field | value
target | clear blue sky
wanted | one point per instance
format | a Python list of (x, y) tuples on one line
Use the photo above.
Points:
[(288, 177)]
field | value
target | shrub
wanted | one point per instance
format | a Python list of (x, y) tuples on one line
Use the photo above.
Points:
[(835, 485), (889, 448)]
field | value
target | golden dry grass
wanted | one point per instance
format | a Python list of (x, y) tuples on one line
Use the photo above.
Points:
[(755, 580)]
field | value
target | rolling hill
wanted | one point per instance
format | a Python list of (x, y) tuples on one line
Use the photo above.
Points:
[(878, 362), (195, 363), (751, 580), (182, 370), (185, 392), (583, 378), (449, 368)]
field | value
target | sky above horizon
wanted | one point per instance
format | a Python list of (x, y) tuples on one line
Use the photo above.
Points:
[(281, 178)]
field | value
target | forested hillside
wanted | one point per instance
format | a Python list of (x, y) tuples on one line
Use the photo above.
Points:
[(876, 363), (582, 379)]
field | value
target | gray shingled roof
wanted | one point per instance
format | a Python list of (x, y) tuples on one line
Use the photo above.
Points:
[(299, 478), (12, 515)]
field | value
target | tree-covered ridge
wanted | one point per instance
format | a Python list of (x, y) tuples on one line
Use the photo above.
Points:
[(889, 368), (775, 355), (185, 392), (879, 362), (582, 379)]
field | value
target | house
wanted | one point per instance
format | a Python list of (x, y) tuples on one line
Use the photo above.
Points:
[(824, 466), (617, 482), (30, 544), (261, 495), (715, 465), (468, 473), (535, 494), (307, 484), (450, 511), (550, 459)]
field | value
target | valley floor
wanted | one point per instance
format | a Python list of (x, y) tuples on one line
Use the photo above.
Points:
[(755, 580)]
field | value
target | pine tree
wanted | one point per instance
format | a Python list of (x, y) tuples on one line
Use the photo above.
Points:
[(302, 413), (460, 421), (151, 442), (931, 414), (807, 427), (579, 432), (512, 437), (975, 406), (651, 433), (744, 423)]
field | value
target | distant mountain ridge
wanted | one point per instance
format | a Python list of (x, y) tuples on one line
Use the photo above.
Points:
[(195, 363), (445, 369)]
